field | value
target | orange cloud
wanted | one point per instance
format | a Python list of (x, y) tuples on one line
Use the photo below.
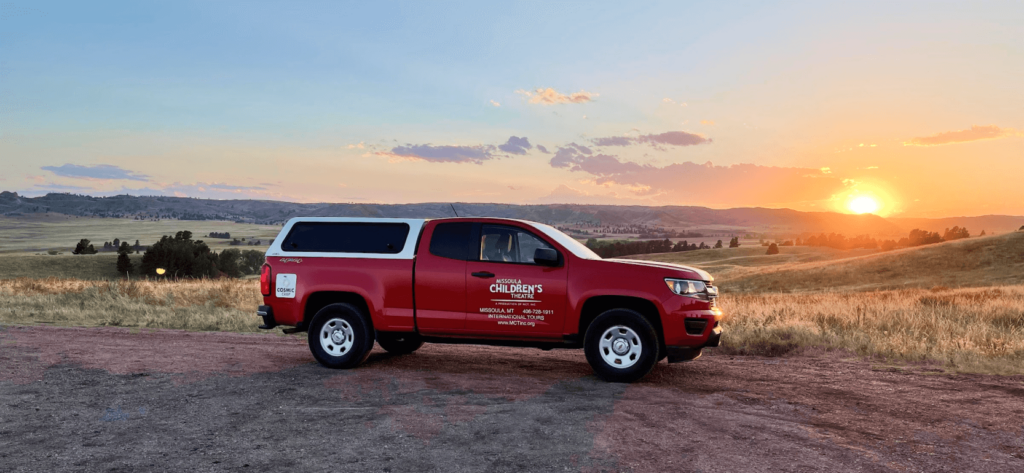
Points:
[(550, 96), (738, 184), (976, 133)]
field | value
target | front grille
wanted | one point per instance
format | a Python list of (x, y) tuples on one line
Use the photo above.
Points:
[(695, 326)]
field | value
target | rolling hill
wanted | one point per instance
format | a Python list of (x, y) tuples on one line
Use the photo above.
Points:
[(974, 262), (757, 220)]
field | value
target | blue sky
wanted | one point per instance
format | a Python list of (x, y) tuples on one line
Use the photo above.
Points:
[(332, 101)]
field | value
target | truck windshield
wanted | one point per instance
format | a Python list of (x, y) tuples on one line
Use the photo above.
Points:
[(570, 243)]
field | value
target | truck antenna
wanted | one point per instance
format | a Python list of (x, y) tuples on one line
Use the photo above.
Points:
[(453, 209)]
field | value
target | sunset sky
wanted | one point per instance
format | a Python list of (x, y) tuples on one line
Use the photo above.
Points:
[(917, 107)]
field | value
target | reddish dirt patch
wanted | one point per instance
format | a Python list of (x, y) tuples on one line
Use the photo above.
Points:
[(888, 418), (26, 352)]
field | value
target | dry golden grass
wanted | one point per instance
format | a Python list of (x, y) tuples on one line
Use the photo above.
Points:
[(972, 330), (223, 304)]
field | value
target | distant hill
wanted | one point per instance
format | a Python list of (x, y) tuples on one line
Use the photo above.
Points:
[(758, 220), (986, 261)]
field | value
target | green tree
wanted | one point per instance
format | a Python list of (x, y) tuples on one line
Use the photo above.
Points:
[(735, 242), (719, 244), (84, 248), (228, 262), (252, 261), (773, 249), (124, 262)]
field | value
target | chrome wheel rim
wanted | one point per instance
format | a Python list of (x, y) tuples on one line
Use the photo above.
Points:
[(337, 337), (620, 347)]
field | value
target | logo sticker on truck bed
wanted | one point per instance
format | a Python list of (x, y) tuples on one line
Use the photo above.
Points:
[(285, 287)]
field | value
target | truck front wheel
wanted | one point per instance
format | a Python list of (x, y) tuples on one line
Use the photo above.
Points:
[(621, 346), (340, 336), (399, 343)]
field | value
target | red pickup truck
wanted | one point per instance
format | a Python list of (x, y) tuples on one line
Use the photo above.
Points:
[(403, 282)]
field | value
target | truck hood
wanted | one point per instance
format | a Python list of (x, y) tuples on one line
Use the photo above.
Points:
[(704, 276)]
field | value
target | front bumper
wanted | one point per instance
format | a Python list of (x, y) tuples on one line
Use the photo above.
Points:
[(681, 354)]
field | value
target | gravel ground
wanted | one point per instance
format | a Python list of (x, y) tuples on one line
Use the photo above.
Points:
[(100, 399)]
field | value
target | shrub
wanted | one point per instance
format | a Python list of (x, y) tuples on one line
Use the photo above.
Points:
[(773, 249)]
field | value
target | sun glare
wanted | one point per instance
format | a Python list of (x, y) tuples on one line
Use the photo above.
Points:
[(863, 205)]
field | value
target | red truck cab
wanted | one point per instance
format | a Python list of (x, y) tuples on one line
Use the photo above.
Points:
[(401, 282)]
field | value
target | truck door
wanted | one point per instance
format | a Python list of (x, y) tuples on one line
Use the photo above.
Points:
[(440, 277), (510, 295)]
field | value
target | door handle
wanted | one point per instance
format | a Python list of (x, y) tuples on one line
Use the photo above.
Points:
[(483, 274)]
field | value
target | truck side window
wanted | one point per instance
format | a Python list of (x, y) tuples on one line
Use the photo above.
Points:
[(508, 244), (452, 240), (346, 237)]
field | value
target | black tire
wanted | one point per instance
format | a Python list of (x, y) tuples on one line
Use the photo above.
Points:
[(633, 328), (355, 336), (399, 343)]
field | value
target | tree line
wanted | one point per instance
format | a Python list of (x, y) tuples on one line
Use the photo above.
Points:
[(180, 256), (612, 249), (917, 237)]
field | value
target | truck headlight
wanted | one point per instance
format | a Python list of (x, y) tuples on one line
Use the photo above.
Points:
[(689, 288)]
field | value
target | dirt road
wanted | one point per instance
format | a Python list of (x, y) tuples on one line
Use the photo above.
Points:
[(86, 399)]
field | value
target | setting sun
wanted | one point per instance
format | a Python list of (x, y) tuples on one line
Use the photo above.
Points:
[(863, 205)]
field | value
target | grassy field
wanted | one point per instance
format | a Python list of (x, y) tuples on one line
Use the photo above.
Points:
[(40, 233), (974, 330), (211, 305), (960, 304), (87, 267), (724, 262)]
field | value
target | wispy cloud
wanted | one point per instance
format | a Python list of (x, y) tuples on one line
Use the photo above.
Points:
[(444, 154), (99, 171), (542, 149), (496, 104), (975, 133), (516, 145), (459, 154), (674, 138), (550, 96)]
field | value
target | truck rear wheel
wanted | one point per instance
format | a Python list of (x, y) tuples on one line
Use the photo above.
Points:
[(621, 346), (340, 336), (399, 343)]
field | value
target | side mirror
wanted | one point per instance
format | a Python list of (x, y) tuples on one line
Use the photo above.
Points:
[(545, 257)]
